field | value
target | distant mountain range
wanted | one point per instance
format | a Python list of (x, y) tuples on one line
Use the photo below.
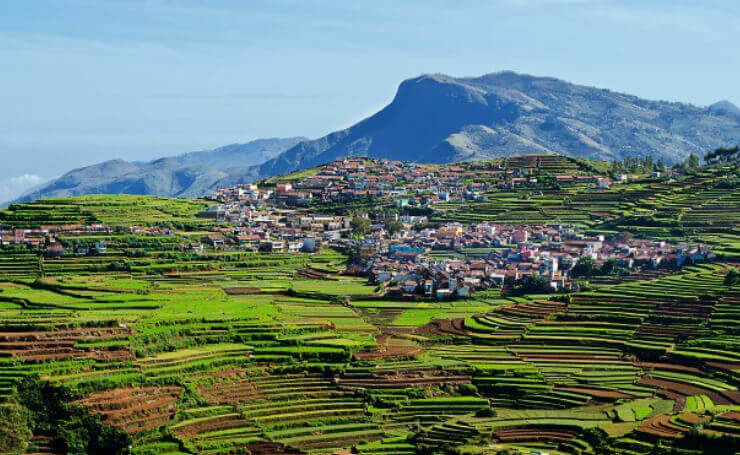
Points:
[(190, 174), (440, 119)]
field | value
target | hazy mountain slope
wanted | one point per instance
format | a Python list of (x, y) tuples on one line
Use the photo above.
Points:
[(724, 107), (437, 118), (240, 155), (189, 174)]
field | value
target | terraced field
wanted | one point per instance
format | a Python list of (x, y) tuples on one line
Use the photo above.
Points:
[(231, 352), (701, 206)]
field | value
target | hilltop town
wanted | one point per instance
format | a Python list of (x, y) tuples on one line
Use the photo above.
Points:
[(394, 246)]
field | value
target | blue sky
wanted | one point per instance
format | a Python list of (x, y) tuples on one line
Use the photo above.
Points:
[(83, 81)]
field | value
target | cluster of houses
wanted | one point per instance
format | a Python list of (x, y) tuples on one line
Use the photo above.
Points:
[(490, 255), (407, 184), (46, 238), (278, 231), (446, 261), (416, 260), (269, 218)]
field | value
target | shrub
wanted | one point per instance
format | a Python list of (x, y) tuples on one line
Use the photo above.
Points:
[(14, 428), (532, 284), (468, 389), (74, 430), (732, 278), (486, 412), (584, 267)]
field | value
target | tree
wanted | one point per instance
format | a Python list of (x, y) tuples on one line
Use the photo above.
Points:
[(598, 440), (14, 428), (82, 433), (584, 267), (689, 165), (722, 155), (693, 161), (74, 429), (625, 236), (609, 267), (393, 226), (360, 225), (532, 284)]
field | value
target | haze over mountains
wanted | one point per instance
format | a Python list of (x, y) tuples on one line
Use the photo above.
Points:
[(189, 174), (440, 119)]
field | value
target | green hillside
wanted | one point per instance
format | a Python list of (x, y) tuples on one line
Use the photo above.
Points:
[(227, 351)]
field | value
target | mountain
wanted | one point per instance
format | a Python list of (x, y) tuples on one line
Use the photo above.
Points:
[(724, 107), (438, 118), (240, 155), (189, 174)]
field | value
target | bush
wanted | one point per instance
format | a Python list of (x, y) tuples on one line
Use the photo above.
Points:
[(584, 267), (74, 430), (598, 440), (486, 412), (360, 225), (532, 284), (14, 428), (82, 433), (468, 389), (732, 278)]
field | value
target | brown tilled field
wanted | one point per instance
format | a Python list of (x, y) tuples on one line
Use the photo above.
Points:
[(60, 344), (134, 408)]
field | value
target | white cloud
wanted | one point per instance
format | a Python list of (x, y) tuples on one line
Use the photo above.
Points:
[(15, 186)]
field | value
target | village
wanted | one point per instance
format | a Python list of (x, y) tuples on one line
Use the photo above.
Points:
[(397, 247), (407, 184), (448, 261), (488, 255)]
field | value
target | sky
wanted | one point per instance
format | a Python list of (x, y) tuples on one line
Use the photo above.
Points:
[(83, 81)]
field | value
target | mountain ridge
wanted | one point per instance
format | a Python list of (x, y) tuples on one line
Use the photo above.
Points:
[(506, 113), (186, 174), (436, 118)]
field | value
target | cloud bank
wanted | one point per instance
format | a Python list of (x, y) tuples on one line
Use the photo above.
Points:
[(15, 186)]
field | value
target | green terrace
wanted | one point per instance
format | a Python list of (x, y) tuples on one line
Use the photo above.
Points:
[(234, 352)]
